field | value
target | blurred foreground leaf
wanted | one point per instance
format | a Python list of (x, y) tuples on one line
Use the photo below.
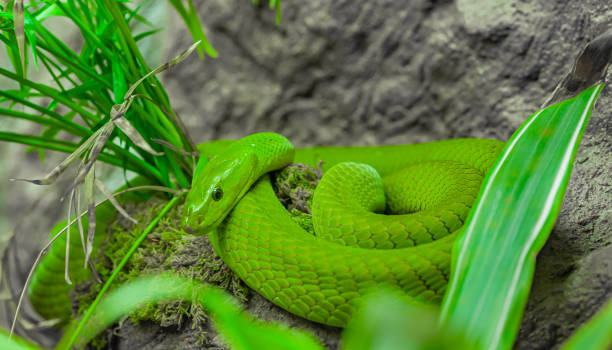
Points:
[(494, 258), (15, 343), (238, 329), (388, 322)]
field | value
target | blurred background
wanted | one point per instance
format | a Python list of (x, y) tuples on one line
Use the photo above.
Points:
[(369, 73)]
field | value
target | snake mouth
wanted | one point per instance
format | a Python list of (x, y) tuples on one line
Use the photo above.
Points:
[(193, 224), (190, 222)]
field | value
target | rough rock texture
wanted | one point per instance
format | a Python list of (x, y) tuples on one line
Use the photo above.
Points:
[(383, 72)]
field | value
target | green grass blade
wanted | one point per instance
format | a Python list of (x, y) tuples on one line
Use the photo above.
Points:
[(146, 34), (18, 23), (278, 12), (34, 118), (134, 14), (494, 258), (69, 125), (238, 329), (595, 334), (119, 84), (31, 35), (13, 52), (53, 93), (190, 17), (48, 11)]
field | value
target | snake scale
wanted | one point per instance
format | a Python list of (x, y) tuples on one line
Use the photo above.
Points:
[(359, 246)]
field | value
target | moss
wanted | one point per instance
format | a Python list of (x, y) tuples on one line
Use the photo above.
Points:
[(166, 248), (294, 186)]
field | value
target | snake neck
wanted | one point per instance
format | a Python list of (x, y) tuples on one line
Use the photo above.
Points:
[(273, 151)]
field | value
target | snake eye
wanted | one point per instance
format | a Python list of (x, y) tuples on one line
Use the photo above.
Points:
[(217, 194)]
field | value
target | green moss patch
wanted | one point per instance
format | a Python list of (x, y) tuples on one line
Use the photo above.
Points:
[(294, 186), (166, 248)]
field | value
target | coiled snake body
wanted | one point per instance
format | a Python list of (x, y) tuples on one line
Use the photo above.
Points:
[(359, 245)]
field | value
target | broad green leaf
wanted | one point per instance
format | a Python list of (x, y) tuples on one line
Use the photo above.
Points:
[(494, 258)]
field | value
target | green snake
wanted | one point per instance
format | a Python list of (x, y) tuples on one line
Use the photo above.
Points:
[(359, 246)]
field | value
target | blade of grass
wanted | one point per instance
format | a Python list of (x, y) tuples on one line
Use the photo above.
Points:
[(18, 23), (134, 14), (131, 132), (194, 26), (69, 125), (51, 92), (88, 35), (48, 11), (494, 258), (278, 12), (34, 118), (143, 35), (119, 84), (65, 55), (31, 35)]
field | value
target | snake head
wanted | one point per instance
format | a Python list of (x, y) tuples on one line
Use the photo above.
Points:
[(217, 188)]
